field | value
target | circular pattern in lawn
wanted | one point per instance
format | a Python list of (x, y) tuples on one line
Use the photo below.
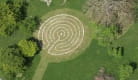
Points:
[(61, 34)]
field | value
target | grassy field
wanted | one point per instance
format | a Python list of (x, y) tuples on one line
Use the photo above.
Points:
[(82, 68), (39, 8), (46, 58), (86, 66), (89, 62)]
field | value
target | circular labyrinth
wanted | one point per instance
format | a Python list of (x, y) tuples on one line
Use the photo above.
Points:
[(61, 34)]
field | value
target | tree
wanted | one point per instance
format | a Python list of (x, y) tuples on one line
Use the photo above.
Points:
[(106, 35), (28, 48), (30, 23), (19, 8), (111, 12), (125, 71), (11, 62), (7, 20)]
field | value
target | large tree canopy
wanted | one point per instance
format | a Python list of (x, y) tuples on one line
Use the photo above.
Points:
[(7, 20), (19, 8), (28, 48), (111, 12), (11, 61)]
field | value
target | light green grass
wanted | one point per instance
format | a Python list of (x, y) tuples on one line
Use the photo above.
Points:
[(82, 68), (86, 66), (130, 43), (31, 71), (46, 58), (39, 8), (88, 63)]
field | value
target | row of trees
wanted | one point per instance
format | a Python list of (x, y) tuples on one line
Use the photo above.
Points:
[(13, 16)]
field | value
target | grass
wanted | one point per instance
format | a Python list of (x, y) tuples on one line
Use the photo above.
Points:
[(82, 68), (31, 71), (39, 8), (15, 38), (130, 43), (45, 58), (87, 65)]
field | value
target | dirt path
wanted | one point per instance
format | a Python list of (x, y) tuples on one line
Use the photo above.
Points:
[(40, 71)]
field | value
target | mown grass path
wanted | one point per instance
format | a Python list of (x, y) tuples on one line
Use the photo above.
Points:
[(42, 66)]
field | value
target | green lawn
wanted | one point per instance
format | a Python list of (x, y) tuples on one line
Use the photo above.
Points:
[(82, 68), (86, 66), (130, 43), (39, 8), (17, 36), (31, 71)]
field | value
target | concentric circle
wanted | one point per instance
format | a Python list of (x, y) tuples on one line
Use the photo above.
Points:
[(61, 34)]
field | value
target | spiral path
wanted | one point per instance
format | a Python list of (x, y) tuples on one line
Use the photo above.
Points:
[(61, 34)]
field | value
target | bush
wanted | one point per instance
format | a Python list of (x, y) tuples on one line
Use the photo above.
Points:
[(116, 51), (28, 48), (106, 35), (30, 23), (125, 71)]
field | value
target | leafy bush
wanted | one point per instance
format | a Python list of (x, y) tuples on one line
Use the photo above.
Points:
[(125, 71), (106, 35), (116, 51), (28, 48)]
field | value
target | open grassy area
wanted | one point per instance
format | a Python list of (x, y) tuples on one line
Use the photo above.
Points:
[(47, 57), (39, 8), (86, 66), (82, 68)]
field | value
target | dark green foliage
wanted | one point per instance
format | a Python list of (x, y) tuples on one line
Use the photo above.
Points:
[(13, 14), (11, 61), (19, 8), (30, 23), (134, 65), (7, 20), (116, 51)]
